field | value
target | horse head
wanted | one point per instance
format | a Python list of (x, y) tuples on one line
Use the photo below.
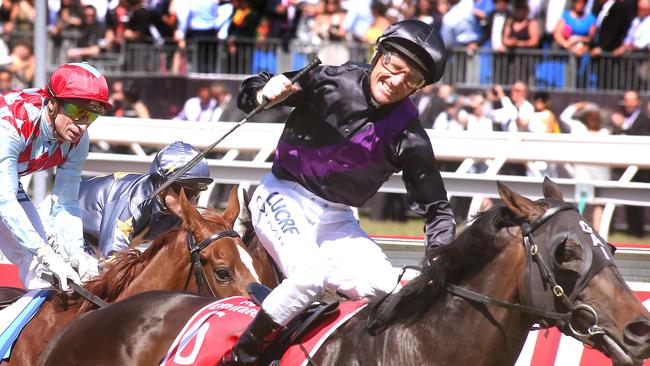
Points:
[(205, 255), (218, 259), (572, 281)]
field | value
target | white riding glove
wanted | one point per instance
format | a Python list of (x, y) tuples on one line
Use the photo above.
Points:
[(85, 264), (276, 90), (58, 266)]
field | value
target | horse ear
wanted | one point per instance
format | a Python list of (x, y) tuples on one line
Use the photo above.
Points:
[(244, 199), (190, 215), (521, 206), (245, 196), (551, 189), (232, 209)]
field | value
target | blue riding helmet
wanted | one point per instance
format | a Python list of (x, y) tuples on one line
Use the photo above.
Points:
[(173, 157)]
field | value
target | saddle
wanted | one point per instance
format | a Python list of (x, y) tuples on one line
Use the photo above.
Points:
[(297, 328), (9, 295)]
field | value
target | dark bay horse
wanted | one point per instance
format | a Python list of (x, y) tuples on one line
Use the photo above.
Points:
[(166, 264), (264, 266), (520, 263)]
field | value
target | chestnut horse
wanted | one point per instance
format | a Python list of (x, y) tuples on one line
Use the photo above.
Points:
[(166, 264), (474, 302)]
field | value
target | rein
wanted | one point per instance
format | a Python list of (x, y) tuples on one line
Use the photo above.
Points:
[(99, 302), (195, 260), (483, 299)]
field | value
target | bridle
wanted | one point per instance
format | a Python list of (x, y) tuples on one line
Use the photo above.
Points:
[(537, 284), (195, 260)]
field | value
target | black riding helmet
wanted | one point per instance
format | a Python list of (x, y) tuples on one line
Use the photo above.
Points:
[(420, 43)]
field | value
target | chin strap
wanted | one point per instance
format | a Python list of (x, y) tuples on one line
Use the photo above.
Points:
[(159, 196)]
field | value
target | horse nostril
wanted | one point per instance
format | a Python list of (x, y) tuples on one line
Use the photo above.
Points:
[(639, 328), (637, 331)]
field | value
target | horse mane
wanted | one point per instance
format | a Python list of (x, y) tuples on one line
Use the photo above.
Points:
[(476, 246), (248, 235), (125, 267), (115, 277), (214, 216)]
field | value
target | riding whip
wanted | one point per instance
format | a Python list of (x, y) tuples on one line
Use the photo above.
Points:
[(315, 62)]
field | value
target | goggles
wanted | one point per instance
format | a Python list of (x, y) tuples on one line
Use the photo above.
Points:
[(396, 65), (77, 113), (192, 191)]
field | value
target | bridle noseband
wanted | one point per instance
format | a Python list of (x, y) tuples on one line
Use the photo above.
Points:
[(548, 278), (195, 260)]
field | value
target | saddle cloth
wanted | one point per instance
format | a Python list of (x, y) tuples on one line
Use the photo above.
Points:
[(214, 330), (14, 317)]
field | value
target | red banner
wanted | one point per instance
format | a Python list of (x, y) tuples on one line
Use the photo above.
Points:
[(557, 349)]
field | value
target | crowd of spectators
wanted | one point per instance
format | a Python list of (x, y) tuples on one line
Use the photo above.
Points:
[(516, 111), (581, 27)]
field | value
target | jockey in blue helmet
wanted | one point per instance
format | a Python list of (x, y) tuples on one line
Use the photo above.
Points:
[(172, 158), (117, 211)]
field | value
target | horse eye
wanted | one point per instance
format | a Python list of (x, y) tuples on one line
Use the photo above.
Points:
[(565, 251), (568, 255), (565, 255), (222, 274)]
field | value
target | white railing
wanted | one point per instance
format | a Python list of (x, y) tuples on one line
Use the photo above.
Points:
[(243, 157)]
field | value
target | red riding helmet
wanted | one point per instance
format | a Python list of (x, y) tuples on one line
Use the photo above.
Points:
[(80, 81)]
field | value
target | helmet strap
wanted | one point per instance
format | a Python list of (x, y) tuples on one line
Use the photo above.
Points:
[(160, 197), (52, 112), (49, 90), (373, 64)]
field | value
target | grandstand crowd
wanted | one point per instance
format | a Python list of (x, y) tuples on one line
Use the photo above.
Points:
[(100, 27), (596, 33)]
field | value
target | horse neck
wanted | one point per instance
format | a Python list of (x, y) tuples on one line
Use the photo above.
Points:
[(501, 279), (168, 269), (493, 337), (498, 334)]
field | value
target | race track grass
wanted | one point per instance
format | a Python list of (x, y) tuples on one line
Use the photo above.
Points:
[(413, 227)]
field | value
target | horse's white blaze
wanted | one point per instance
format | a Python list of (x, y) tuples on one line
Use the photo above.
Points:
[(248, 261)]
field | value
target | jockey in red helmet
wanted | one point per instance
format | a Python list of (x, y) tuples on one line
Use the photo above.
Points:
[(41, 129)]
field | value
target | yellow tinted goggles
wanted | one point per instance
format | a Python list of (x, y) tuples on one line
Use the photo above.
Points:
[(77, 113)]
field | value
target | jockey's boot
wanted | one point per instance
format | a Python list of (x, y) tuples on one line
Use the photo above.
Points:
[(252, 342)]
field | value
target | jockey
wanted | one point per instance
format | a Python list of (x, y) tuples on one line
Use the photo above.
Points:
[(41, 129), (353, 126), (117, 211)]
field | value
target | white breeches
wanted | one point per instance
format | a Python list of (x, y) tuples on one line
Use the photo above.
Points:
[(316, 244), (29, 269)]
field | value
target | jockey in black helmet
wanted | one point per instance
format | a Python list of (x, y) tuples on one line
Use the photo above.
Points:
[(116, 210), (418, 42), (352, 127)]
